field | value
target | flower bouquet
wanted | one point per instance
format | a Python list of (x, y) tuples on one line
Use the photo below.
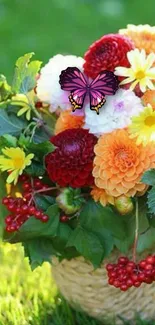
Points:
[(77, 162)]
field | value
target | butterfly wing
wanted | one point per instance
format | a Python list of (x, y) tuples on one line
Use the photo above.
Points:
[(106, 83), (73, 80)]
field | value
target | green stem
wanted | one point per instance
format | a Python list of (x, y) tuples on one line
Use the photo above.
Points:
[(136, 233)]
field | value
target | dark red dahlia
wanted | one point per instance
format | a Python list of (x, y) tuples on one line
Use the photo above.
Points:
[(71, 163), (107, 53)]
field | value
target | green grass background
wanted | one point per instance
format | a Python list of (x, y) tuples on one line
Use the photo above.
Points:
[(48, 27)]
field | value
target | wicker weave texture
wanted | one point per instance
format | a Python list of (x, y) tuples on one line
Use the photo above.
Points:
[(84, 287)]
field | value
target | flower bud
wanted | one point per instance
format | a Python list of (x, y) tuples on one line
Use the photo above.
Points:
[(70, 200), (123, 204)]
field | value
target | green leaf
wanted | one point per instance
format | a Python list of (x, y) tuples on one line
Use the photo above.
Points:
[(146, 240), (151, 200), (3, 210), (33, 228), (10, 124), (94, 216), (38, 251), (5, 89), (87, 244), (43, 201), (41, 149), (25, 74), (40, 136), (7, 141), (149, 177), (35, 169)]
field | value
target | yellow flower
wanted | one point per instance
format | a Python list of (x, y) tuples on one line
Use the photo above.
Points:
[(143, 36), (14, 161), (140, 71), (25, 102), (143, 126)]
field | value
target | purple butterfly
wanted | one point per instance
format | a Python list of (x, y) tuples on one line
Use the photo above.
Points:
[(73, 80)]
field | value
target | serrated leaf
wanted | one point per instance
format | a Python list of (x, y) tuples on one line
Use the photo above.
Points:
[(149, 177), (25, 74), (10, 124), (41, 149), (87, 244), (151, 200), (35, 169), (43, 201), (38, 251), (94, 216)]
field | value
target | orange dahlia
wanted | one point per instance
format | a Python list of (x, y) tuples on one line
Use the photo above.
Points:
[(99, 194), (143, 36), (120, 163), (149, 98), (67, 121)]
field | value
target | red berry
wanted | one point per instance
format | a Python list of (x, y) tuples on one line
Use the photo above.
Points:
[(141, 277), (44, 218), (148, 267), (137, 284), (142, 264), (31, 210), (116, 283), (123, 260), (38, 184), (24, 208), (109, 267), (8, 219), (38, 214), (111, 281), (150, 259), (27, 186), (27, 196), (124, 287), (63, 218), (11, 207), (129, 283), (5, 200)]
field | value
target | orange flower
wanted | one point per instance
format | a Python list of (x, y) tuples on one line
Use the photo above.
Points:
[(143, 36), (99, 194), (67, 121), (120, 163), (149, 98)]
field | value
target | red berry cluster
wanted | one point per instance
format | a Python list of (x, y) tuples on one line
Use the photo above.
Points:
[(29, 187), (126, 273), (20, 212), (23, 208)]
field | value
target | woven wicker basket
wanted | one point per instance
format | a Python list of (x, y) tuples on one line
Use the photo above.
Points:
[(84, 287)]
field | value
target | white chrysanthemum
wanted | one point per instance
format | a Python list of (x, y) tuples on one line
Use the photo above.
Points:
[(48, 87), (115, 114)]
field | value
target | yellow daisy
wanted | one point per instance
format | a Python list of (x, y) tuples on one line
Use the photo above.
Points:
[(14, 161), (143, 126), (140, 71)]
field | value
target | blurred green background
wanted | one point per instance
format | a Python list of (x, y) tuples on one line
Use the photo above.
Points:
[(48, 27)]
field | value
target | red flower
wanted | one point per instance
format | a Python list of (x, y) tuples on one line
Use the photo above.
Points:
[(71, 163), (107, 53)]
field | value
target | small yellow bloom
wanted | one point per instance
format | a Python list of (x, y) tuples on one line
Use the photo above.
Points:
[(14, 161), (140, 72), (25, 102), (143, 126)]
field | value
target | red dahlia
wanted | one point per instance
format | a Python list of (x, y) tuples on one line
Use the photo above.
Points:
[(107, 53), (71, 163)]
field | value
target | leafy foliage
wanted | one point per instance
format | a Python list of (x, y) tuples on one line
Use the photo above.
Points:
[(151, 200), (87, 244), (38, 250), (10, 124), (25, 74), (149, 177), (3, 210)]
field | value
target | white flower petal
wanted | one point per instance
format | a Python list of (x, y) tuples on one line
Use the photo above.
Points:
[(48, 87)]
